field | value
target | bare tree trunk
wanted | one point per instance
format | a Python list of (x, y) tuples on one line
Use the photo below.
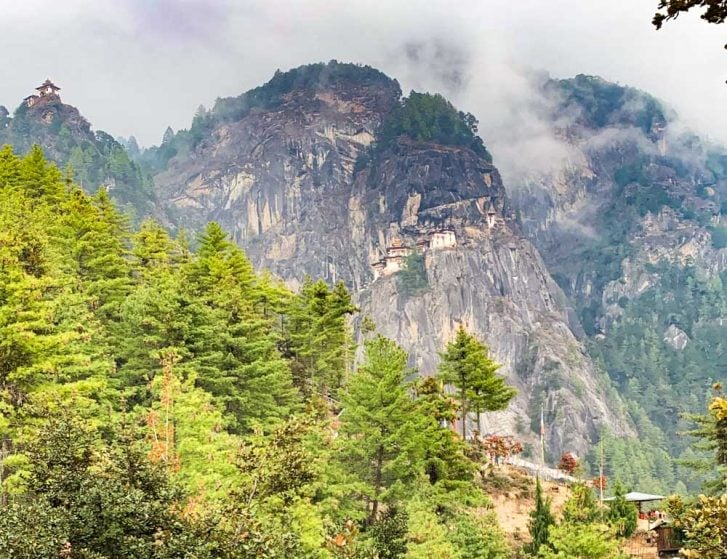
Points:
[(4, 451), (464, 414), (377, 483), (479, 423)]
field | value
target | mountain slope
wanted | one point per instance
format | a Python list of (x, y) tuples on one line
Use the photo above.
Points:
[(632, 226), (313, 175)]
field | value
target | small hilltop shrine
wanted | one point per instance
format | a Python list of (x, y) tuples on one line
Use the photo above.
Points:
[(46, 89)]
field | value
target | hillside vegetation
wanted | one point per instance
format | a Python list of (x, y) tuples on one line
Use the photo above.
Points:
[(161, 402), (94, 158)]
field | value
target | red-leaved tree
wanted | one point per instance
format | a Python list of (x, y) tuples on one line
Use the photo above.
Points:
[(497, 447), (600, 482), (568, 463)]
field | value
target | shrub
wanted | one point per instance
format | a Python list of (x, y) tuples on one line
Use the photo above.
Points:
[(568, 463), (622, 514), (413, 276), (719, 236)]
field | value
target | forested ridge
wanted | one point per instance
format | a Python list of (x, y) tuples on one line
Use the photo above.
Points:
[(95, 156)]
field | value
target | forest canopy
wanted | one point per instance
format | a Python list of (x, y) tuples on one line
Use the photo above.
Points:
[(158, 401)]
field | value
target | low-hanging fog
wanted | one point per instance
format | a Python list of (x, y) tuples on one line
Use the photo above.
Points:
[(144, 65)]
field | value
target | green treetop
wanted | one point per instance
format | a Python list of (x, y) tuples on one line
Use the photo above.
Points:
[(379, 426), (466, 365), (622, 514), (541, 520)]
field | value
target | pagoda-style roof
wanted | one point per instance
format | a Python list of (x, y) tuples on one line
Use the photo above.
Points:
[(47, 83)]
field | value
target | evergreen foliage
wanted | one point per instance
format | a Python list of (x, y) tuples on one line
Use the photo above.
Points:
[(478, 537), (95, 158), (466, 365), (701, 525), (600, 103), (622, 515), (389, 533), (659, 381), (413, 276), (424, 117), (163, 403), (380, 426), (420, 116), (586, 541), (581, 507), (316, 337), (541, 520)]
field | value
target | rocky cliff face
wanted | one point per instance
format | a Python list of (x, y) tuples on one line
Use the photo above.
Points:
[(284, 179), (493, 281)]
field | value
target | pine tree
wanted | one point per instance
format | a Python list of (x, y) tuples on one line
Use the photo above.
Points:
[(186, 431), (318, 337), (466, 365), (445, 457), (389, 533), (153, 251), (581, 507), (100, 239), (379, 426), (585, 541), (427, 536), (9, 168), (541, 521), (50, 348), (622, 515), (710, 441), (39, 178), (98, 499), (478, 536), (239, 362)]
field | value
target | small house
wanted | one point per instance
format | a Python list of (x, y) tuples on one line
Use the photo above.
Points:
[(394, 261), (668, 539), (397, 250)]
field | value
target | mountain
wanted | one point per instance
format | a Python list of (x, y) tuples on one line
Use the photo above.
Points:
[(632, 227), (67, 138), (327, 171), (598, 282)]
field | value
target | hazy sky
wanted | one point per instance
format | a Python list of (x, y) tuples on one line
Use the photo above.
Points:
[(136, 66)]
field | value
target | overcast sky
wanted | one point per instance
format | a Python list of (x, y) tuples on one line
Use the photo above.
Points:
[(135, 66)]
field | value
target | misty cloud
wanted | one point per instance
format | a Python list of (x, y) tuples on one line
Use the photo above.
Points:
[(147, 64), (446, 63), (195, 21)]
